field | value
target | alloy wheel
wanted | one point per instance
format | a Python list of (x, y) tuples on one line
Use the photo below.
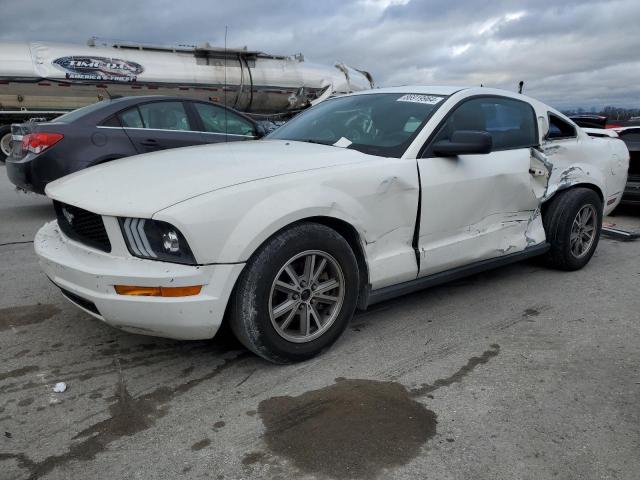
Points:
[(583, 231), (306, 296)]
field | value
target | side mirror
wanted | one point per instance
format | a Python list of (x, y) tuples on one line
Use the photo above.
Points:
[(261, 131), (464, 142)]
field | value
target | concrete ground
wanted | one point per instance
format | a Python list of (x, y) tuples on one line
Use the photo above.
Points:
[(518, 373)]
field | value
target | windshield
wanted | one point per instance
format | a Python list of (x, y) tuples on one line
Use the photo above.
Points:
[(381, 124), (80, 112)]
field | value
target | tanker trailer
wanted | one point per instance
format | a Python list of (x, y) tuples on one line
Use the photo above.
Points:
[(43, 80)]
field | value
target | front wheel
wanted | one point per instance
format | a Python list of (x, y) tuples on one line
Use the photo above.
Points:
[(572, 223), (296, 294)]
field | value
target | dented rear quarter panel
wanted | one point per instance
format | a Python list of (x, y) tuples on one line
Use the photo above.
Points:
[(585, 160)]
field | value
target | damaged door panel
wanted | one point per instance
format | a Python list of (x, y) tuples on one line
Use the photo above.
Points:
[(481, 206)]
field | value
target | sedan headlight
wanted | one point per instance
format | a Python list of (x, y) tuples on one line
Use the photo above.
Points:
[(156, 240)]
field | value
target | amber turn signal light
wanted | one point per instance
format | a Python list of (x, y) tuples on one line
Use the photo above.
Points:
[(158, 291)]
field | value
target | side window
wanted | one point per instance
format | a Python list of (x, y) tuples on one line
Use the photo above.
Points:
[(131, 118), (511, 123), (164, 116), (213, 118), (112, 121), (559, 128)]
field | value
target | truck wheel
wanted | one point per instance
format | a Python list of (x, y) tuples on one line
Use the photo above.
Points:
[(296, 294), (5, 142), (572, 223)]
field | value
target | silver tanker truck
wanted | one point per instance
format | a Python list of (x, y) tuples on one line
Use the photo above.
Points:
[(43, 80)]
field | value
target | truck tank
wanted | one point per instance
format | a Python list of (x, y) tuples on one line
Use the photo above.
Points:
[(43, 80)]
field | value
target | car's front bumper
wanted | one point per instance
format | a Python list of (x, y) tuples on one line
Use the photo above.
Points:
[(88, 275)]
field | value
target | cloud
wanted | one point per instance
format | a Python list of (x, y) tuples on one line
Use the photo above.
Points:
[(570, 53)]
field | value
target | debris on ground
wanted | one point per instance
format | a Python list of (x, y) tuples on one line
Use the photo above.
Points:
[(610, 230), (60, 387)]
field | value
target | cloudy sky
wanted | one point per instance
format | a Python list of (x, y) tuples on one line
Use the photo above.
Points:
[(570, 53)]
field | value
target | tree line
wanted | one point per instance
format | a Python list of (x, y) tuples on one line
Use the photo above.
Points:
[(614, 113)]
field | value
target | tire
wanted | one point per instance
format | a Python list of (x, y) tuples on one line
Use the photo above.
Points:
[(256, 298), (4, 131), (559, 222)]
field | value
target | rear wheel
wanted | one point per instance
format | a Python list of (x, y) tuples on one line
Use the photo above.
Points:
[(296, 294), (5, 142), (572, 224)]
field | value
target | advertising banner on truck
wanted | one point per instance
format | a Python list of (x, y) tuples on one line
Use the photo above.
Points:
[(98, 68)]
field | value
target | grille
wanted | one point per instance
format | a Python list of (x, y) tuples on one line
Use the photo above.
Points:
[(82, 226)]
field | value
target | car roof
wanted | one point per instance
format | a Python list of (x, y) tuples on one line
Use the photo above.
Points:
[(114, 105), (140, 98), (420, 89)]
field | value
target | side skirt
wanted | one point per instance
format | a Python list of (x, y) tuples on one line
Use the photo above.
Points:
[(421, 283)]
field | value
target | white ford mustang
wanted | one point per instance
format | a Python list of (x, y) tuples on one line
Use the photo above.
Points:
[(359, 199)]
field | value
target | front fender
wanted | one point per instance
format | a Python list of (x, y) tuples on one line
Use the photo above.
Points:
[(281, 208), (378, 199)]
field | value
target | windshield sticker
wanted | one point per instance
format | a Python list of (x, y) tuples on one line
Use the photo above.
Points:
[(415, 98), (98, 68), (343, 142)]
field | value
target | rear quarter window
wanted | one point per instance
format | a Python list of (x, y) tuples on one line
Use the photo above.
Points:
[(559, 128)]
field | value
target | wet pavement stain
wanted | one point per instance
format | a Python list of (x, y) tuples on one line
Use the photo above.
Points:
[(457, 377), (27, 315), (253, 457), (204, 443), (354, 428), (25, 402), (351, 429), (128, 416), (19, 372)]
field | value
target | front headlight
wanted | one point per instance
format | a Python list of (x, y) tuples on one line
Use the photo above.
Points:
[(156, 240)]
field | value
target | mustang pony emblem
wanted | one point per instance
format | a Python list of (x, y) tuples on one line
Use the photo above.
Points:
[(68, 215)]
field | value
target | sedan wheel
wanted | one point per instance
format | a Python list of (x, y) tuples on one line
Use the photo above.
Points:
[(5, 143)]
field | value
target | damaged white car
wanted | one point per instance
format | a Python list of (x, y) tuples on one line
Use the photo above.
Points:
[(359, 199)]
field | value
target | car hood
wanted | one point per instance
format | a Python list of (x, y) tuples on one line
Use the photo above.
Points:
[(142, 185)]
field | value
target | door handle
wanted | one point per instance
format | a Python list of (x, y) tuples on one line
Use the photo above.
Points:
[(150, 142)]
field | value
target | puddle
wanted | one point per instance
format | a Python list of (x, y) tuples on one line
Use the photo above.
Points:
[(26, 315), (354, 428), (351, 429)]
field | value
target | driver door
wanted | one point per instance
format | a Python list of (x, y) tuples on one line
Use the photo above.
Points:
[(477, 207)]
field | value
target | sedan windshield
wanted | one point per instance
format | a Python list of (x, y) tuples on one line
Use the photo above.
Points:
[(382, 124)]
